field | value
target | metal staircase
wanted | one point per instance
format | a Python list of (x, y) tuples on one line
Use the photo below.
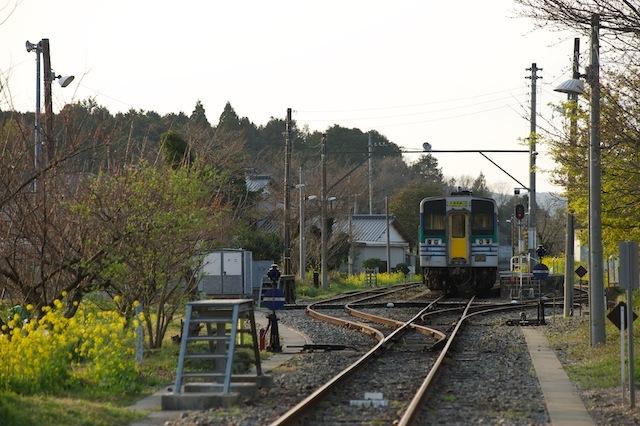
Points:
[(220, 318)]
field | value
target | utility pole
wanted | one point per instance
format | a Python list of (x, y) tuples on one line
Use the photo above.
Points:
[(596, 285), (287, 194), (386, 212), (324, 283), (573, 136), (303, 260), (37, 140), (532, 165), (48, 107), (37, 130), (350, 260), (370, 175)]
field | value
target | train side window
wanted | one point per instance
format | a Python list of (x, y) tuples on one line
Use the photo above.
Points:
[(458, 222)]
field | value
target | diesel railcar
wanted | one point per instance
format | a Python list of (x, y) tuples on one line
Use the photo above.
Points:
[(459, 243)]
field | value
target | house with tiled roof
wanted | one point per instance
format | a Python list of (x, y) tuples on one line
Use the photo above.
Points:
[(368, 236)]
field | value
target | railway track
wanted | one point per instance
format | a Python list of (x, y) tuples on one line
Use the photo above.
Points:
[(386, 366), (407, 351)]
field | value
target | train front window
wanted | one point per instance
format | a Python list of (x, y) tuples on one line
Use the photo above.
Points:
[(457, 225), (482, 217), (434, 217)]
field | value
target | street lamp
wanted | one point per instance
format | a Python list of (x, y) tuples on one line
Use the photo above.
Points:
[(63, 80), (576, 87), (42, 48)]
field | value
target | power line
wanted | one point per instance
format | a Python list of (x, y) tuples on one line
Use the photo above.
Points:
[(407, 105), (410, 114)]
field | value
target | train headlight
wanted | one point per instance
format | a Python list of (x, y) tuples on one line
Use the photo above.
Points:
[(428, 241), (487, 241)]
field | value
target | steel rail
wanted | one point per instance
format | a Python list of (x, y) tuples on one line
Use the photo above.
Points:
[(390, 322), (363, 328), (294, 413), (411, 412), (412, 409)]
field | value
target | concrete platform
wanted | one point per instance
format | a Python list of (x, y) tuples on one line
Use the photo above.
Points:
[(246, 389), (197, 401), (561, 397)]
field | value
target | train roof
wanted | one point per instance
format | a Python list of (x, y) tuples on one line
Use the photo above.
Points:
[(472, 197)]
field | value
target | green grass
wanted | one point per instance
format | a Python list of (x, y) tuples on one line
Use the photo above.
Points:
[(591, 367), (84, 405), (342, 284), (18, 410)]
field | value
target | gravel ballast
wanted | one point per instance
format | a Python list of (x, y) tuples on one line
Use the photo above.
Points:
[(504, 389)]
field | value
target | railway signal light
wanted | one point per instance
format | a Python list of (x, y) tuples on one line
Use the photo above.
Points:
[(519, 212)]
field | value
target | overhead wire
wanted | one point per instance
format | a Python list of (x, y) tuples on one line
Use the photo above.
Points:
[(410, 114), (407, 105)]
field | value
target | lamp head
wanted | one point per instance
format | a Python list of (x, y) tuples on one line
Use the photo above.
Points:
[(574, 86), (65, 80), (426, 146)]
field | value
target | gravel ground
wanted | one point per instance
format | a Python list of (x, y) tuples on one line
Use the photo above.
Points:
[(504, 389), (488, 379), (604, 405)]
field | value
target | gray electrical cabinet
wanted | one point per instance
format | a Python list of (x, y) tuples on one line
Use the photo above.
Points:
[(227, 272)]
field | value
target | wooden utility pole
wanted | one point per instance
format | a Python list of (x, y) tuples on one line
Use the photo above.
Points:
[(324, 274), (386, 212), (48, 107), (286, 258), (533, 135), (370, 174), (302, 269)]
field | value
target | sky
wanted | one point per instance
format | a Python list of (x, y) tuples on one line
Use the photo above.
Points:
[(450, 73)]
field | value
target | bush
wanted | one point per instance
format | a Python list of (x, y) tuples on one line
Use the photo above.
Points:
[(372, 263), (402, 267), (52, 352)]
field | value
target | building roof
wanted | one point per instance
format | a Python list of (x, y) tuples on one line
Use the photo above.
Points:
[(372, 228), (257, 183)]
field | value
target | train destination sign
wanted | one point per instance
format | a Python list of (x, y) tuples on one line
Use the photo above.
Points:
[(458, 204)]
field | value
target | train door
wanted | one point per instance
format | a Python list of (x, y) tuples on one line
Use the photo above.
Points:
[(458, 238)]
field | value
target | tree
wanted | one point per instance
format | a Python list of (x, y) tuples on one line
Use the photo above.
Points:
[(619, 19), (405, 206), (163, 220), (263, 245), (372, 263), (229, 120), (620, 140), (427, 169), (479, 186), (198, 116), (175, 149)]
